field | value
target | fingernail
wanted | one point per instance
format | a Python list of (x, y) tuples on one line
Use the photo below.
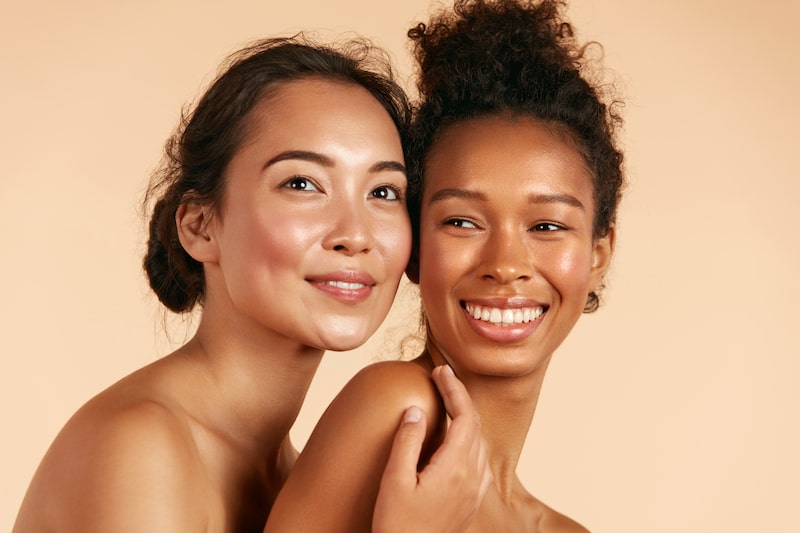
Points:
[(413, 415)]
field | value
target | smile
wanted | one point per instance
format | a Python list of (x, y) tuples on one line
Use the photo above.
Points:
[(504, 317), (344, 285)]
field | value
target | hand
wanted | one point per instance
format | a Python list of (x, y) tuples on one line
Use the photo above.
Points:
[(445, 496)]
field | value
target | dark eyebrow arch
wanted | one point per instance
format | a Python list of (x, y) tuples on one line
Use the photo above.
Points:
[(556, 199), (446, 194), (393, 166), (325, 161), (544, 198), (302, 155)]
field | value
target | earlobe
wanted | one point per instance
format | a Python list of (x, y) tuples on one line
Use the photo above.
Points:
[(601, 256), (196, 226)]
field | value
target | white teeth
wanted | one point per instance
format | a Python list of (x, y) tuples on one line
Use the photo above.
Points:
[(504, 317), (345, 285)]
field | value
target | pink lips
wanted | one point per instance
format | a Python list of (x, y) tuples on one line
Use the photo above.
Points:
[(348, 286), (504, 320)]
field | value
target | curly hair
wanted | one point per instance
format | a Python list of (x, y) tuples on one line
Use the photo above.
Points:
[(513, 57), (207, 138)]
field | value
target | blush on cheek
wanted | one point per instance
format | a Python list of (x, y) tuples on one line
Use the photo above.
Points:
[(573, 267)]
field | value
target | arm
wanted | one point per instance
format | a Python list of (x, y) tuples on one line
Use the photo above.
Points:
[(334, 483), (445, 496)]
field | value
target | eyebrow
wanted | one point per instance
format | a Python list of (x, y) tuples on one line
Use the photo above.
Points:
[(325, 161), (556, 198), (446, 194), (542, 198)]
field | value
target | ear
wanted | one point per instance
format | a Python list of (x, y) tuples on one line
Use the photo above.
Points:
[(602, 250), (197, 231), (412, 269)]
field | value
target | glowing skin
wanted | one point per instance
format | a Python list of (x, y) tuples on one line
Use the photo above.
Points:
[(319, 237), (507, 255)]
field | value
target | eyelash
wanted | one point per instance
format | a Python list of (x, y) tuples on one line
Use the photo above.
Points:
[(547, 226), (296, 180), (309, 185), (398, 195), (459, 223), (539, 227)]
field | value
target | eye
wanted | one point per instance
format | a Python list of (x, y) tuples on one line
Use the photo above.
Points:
[(300, 183), (547, 226), (460, 223), (387, 192)]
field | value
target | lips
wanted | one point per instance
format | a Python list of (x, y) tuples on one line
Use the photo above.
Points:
[(504, 316), (344, 285), (349, 286)]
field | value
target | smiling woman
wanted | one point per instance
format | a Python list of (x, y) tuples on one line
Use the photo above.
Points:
[(495, 251), (310, 206), (280, 211), (514, 186)]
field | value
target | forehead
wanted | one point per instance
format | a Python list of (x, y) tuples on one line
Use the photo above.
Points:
[(314, 104), (517, 152)]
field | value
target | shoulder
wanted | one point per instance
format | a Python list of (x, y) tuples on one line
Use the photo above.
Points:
[(120, 464), (347, 452), (364, 417), (401, 383), (556, 522), (381, 392)]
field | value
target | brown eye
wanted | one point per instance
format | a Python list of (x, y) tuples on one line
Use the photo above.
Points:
[(460, 223), (547, 226), (299, 183), (386, 192)]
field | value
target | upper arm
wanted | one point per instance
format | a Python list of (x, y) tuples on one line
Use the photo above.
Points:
[(334, 483), (131, 470)]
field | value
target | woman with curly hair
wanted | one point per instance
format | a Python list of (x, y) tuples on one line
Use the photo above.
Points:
[(514, 189)]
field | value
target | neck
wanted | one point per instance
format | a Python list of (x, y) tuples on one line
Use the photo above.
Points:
[(506, 405), (253, 382)]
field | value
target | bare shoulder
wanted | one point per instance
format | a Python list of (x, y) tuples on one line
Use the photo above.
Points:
[(347, 452), (554, 522), (372, 404), (118, 456), (397, 384)]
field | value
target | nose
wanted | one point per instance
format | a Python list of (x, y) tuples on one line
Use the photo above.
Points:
[(506, 257), (350, 232)]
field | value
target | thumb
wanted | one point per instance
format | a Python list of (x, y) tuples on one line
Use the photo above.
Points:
[(404, 457)]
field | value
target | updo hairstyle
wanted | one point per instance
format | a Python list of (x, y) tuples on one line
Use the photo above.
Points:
[(198, 153)]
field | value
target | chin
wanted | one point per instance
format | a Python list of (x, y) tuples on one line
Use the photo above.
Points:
[(506, 365), (343, 341)]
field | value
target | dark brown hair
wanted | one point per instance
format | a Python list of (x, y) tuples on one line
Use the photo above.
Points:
[(207, 138), (516, 58)]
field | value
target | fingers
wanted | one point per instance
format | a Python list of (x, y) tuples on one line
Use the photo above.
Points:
[(456, 398), (465, 428), (464, 445), (404, 457)]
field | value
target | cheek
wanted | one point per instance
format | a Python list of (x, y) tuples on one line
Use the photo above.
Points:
[(393, 237), (446, 264), (570, 270), (433, 264), (279, 240)]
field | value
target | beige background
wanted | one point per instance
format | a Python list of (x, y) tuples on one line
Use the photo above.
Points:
[(673, 409)]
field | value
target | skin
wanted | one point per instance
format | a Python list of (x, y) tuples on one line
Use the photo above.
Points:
[(304, 254), (506, 224)]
